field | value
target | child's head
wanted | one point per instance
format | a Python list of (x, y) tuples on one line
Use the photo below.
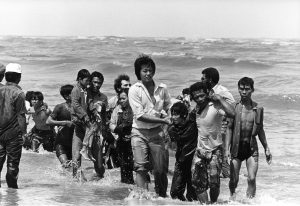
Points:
[(123, 97), (37, 98), (65, 91), (28, 97), (179, 113)]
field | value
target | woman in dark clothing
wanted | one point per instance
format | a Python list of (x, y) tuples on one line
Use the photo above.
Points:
[(121, 125)]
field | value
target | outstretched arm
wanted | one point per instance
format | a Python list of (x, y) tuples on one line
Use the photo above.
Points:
[(53, 122)]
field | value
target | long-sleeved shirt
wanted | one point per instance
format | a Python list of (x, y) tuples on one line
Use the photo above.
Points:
[(12, 108), (141, 103), (79, 104), (186, 139)]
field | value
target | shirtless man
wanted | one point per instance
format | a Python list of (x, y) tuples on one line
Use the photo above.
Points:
[(61, 117), (248, 123), (41, 133)]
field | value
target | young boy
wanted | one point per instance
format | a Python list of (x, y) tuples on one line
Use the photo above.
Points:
[(41, 133), (61, 117), (185, 133), (248, 123)]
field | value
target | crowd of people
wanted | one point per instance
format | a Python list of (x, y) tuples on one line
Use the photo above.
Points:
[(134, 129)]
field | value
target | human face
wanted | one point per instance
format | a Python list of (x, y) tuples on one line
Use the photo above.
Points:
[(34, 100), (177, 119), (84, 82), (146, 74), (204, 79), (67, 98), (245, 91), (125, 84), (123, 99), (96, 84), (200, 97)]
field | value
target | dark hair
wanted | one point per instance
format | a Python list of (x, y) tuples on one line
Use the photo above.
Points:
[(1, 77), (12, 77), (118, 81), (246, 81), (83, 73), (29, 95), (66, 90), (179, 108), (186, 91), (123, 90), (212, 73), (39, 95), (197, 87), (97, 74), (143, 60)]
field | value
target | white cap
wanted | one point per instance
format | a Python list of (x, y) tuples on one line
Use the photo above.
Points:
[(13, 67)]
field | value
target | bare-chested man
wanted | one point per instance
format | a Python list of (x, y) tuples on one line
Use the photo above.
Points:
[(41, 133), (248, 123)]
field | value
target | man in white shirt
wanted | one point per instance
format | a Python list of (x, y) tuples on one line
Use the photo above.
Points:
[(149, 101), (207, 162)]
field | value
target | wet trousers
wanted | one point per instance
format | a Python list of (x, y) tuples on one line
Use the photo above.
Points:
[(11, 146)]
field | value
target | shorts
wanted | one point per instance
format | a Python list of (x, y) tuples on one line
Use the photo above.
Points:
[(37, 137), (245, 151), (206, 171), (148, 146)]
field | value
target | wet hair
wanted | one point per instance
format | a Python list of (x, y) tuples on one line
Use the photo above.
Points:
[(143, 60), (186, 91), (83, 73), (97, 74), (118, 81), (246, 81), (179, 108), (12, 77), (29, 96), (198, 86), (38, 95), (66, 90), (212, 73), (123, 90)]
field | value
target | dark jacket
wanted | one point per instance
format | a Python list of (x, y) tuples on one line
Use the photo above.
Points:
[(12, 106), (257, 125), (186, 139)]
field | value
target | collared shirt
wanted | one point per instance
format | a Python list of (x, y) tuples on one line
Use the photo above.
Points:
[(121, 116), (12, 104), (141, 103), (224, 92), (78, 98), (209, 124)]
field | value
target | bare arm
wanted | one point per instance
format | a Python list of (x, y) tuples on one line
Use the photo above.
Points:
[(228, 108), (152, 119), (263, 140), (53, 122)]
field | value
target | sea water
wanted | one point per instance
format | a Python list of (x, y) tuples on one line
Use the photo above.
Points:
[(51, 62)]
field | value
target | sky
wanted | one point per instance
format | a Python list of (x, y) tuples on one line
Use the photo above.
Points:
[(152, 18)]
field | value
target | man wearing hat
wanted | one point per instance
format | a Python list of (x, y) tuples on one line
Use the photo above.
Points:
[(12, 123), (2, 70)]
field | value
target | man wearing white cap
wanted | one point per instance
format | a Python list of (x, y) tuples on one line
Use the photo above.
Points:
[(2, 70), (12, 123)]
